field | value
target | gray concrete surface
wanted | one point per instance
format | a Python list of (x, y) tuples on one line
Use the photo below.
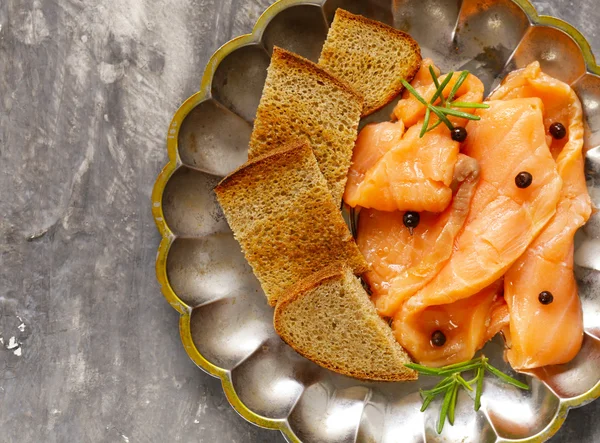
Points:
[(87, 89)]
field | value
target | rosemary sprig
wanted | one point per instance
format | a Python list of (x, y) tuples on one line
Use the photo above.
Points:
[(436, 83), (426, 122), (446, 104), (453, 380)]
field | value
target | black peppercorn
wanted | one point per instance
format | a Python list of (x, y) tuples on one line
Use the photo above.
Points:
[(558, 130), (546, 297), (523, 179), (438, 338), (458, 134), (411, 219)]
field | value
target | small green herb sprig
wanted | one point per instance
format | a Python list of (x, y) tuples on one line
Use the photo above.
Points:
[(453, 380), (446, 104)]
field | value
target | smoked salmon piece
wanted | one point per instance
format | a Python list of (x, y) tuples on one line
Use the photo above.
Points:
[(503, 220), (394, 169), (546, 334), (414, 174), (485, 247), (465, 323), (403, 262)]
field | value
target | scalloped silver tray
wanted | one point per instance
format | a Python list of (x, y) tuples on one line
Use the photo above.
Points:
[(226, 324)]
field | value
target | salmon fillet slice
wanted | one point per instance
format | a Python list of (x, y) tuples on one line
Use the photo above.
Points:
[(549, 334), (394, 169), (465, 323), (402, 262), (414, 174), (502, 222)]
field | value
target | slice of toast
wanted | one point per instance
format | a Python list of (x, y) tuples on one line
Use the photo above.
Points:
[(329, 319), (302, 102), (371, 57), (281, 212)]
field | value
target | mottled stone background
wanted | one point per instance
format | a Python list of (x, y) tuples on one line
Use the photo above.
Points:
[(89, 349)]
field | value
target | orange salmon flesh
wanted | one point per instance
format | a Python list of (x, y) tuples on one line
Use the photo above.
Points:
[(484, 248)]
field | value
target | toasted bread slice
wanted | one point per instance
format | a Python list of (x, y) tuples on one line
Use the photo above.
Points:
[(281, 212), (329, 319), (302, 102), (371, 57)]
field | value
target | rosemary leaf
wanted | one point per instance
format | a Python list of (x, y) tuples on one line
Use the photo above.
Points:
[(502, 376), (437, 111), (444, 410), (434, 77), (443, 373), (469, 105), (435, 125), (452, 406), (445, 381), (460, 114), (414, 92), (464, 383), (425, 122), (422, 369), (440, 89), (461, 79), (461, 365), (436, 390), (436, 83), (479, 389), (426, 402)]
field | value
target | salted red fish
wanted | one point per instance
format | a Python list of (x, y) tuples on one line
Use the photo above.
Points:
[(549, 334), (414, 175), (403, 261), (465, 323), (394, 169), (502, 222), (474, 272)]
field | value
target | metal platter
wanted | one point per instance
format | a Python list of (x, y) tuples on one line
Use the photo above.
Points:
[(226, 324)]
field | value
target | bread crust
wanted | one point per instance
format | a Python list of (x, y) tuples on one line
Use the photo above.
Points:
[(287, 120), (294, 246), (334, 272), (344, 18), (302, 101), (297, 149), (298, 60)]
